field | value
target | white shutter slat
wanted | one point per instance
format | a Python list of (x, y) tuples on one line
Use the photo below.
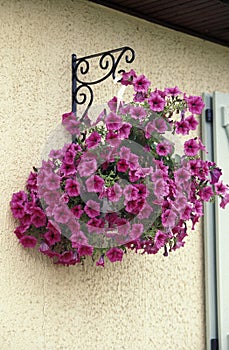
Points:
[(221, 157)]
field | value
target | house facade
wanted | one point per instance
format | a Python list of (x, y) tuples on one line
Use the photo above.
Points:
[(145, 302)]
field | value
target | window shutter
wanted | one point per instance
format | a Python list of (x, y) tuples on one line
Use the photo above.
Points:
[(215, 134)]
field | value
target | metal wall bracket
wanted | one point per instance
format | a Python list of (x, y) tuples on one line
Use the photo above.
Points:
[(104, 64)]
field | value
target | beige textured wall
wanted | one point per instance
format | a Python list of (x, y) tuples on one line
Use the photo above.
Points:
[(147, 302)]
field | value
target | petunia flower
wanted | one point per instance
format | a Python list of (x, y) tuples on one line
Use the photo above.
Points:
[(114, 193), (220, 188), (87, 166), (191, 147), (136, 231), (127, 77), (113, 122), (115, 254), (192, 122), (141, 84), (100, 262), (38, 217), (160, 239), (215, 175), (93, 140), (72, 187), (156, 102), (28, 241), (92, 208), (174, 91), (94, 183), (62, 213), (195, 104), (182, 127), (164, 149), (168, 218), (85, 250), (206, 193)]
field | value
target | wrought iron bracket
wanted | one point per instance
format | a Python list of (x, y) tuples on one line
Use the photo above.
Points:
[(106, 65)]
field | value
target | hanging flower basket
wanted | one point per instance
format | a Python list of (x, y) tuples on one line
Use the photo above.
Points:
[(121, 185)]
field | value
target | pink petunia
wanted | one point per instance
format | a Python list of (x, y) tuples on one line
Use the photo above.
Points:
[(142, 190), (95, 183), (100, 262), (20, 230), (114, 193), (67, 258), (95, 225), (137, 112), (38, 218), (67, 169), (160, 239), (145, 211), (28, 241), (224, 201), (168, 218), (206, 193), (164, 149), (127, 77), (52, 181), (113, 138), (124, 153), (69, 157), (156, 102), (130, 193), (93, 140), (113, 122), (77, 211), (124, 131), (56, 154), (123, 226), (72, 188), (78, 238), (85, 250), (31, 183), (26, 219), (17, 209), (113, 104), (122, 166), (87, 166), (173, 91), (136, 231), (115, 254), (191, 147), (62, 213), (186, 213), (52, 236), (92, 208), (140, 97), (161, 188), (220, 188), (141, 84), (160, 125), (192, 122), (182, 175), (182, 127), (215, 175), (51, 197), (135, 206), (133, 161), (149, 129), (70, 123), (195, 104)]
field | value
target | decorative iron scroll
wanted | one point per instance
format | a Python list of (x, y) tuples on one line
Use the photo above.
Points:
[(107, 64)]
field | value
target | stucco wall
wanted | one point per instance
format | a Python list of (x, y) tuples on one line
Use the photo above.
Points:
[(146, 302)]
